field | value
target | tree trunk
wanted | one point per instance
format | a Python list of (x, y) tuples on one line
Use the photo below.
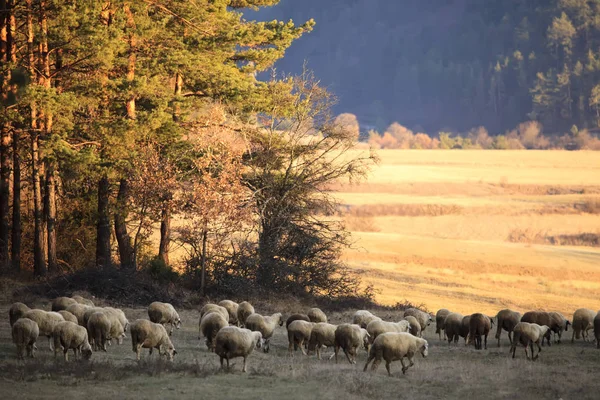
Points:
[(15, 250), (267, 246), (203, 265), (131, 58), (39, 261), (4, 194), (123, 239), (50, 211), (103, 228), (165, 233)]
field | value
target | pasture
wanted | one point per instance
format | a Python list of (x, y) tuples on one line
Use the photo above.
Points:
[(473, 230), (451, 371)]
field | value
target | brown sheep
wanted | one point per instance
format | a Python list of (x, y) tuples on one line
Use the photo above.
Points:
[(465, 326), (558, 324), (597, 329), (479, 325), (453, 325), (583, 320), (440, 317), (507, 320), (349, 337), (527, 334)]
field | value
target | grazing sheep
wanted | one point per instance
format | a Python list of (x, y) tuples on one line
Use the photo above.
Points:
[(479, 325), (210, 325), (440, 317), (322, 334), (88, 313), (465, 326), (527, 334), (377, 327), (316, 315), (83, 300), (68, 316), (61, 303), (396, 346), (151, 335), (298, 335), (46, 320), (597, 329), (349, 337), (24, 335), (245, 309), (16, 311), (232, 308), (507, 320), (99, 330), (210, 307), (583, 321), (232, 342), (296, 317), (558, 324), (414, 325), (363, 317), (120, 316), (537, 317), (164, 313), (453, 325), (78, 310), (424, 318), (117, 331), (69, 335), (265, 325)]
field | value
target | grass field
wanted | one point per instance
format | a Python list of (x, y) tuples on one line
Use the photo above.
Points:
[(450, 372), (479, 230)]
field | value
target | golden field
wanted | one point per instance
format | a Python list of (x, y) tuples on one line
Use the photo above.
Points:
[(474, 230)]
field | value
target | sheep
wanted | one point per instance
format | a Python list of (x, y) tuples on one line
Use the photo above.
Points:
[(232, 342), (316, 315), (265, 325), (68, 316), (24, 335), (69, 335), (78, 310), (16, 311), (479, 325), (46, 320), (465, 326), (210, 307), (231, 307), (299, 335), (424, 318), (164, 313), (507, 319), (377, 327), (393, 346), (99, 329), (120, 316), (527, 334), (117, 331), (440, 317), (151, 335), (597, 329), (452, 326), (322, 334), (583, 320), (210, 325), (558, 324), (245, 309), (88, 313), (537, 317), (414, 326), (61, 303), (82, 300), (296, 317), (349, 337), (363, 317)]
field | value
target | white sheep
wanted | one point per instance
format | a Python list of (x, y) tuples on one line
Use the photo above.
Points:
[(69, 335), (210, 307), (210, 325), (322, 334), (82, 300), (16, 311), (164, 313), (453, 325), (120, 316), (425, 319), (440, 317), (298, 334), (349, 337), (88, 313), (99, 330), (414, 325), (24, 335), (232, 308), (68, 316), (245, 309), (232, 342), (46, 320), (316, 315), (78, 310), (117, 331), (266, 325), (396, 346), (583, 321), (527, 334), (61, 303), (363, 317), (150, 335), (377, 327)]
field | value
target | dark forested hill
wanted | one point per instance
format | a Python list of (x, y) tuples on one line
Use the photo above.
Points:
[(453, 64)]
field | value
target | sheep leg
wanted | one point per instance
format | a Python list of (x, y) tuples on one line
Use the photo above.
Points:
[(20, 352), (387, 366), (302, 347), (138, 351), (404, 367), (485, 342), (510, 339), (318, 352), (336, 350), (348, 356), (50, 343), (534, 357), (221, 362), (290, 349), (244, 367), (66, 353), (369, 359)]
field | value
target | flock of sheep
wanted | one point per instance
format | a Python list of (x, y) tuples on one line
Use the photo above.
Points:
[(234, 330)]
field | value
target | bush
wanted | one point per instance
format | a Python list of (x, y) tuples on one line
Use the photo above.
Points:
[(160, 271)]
